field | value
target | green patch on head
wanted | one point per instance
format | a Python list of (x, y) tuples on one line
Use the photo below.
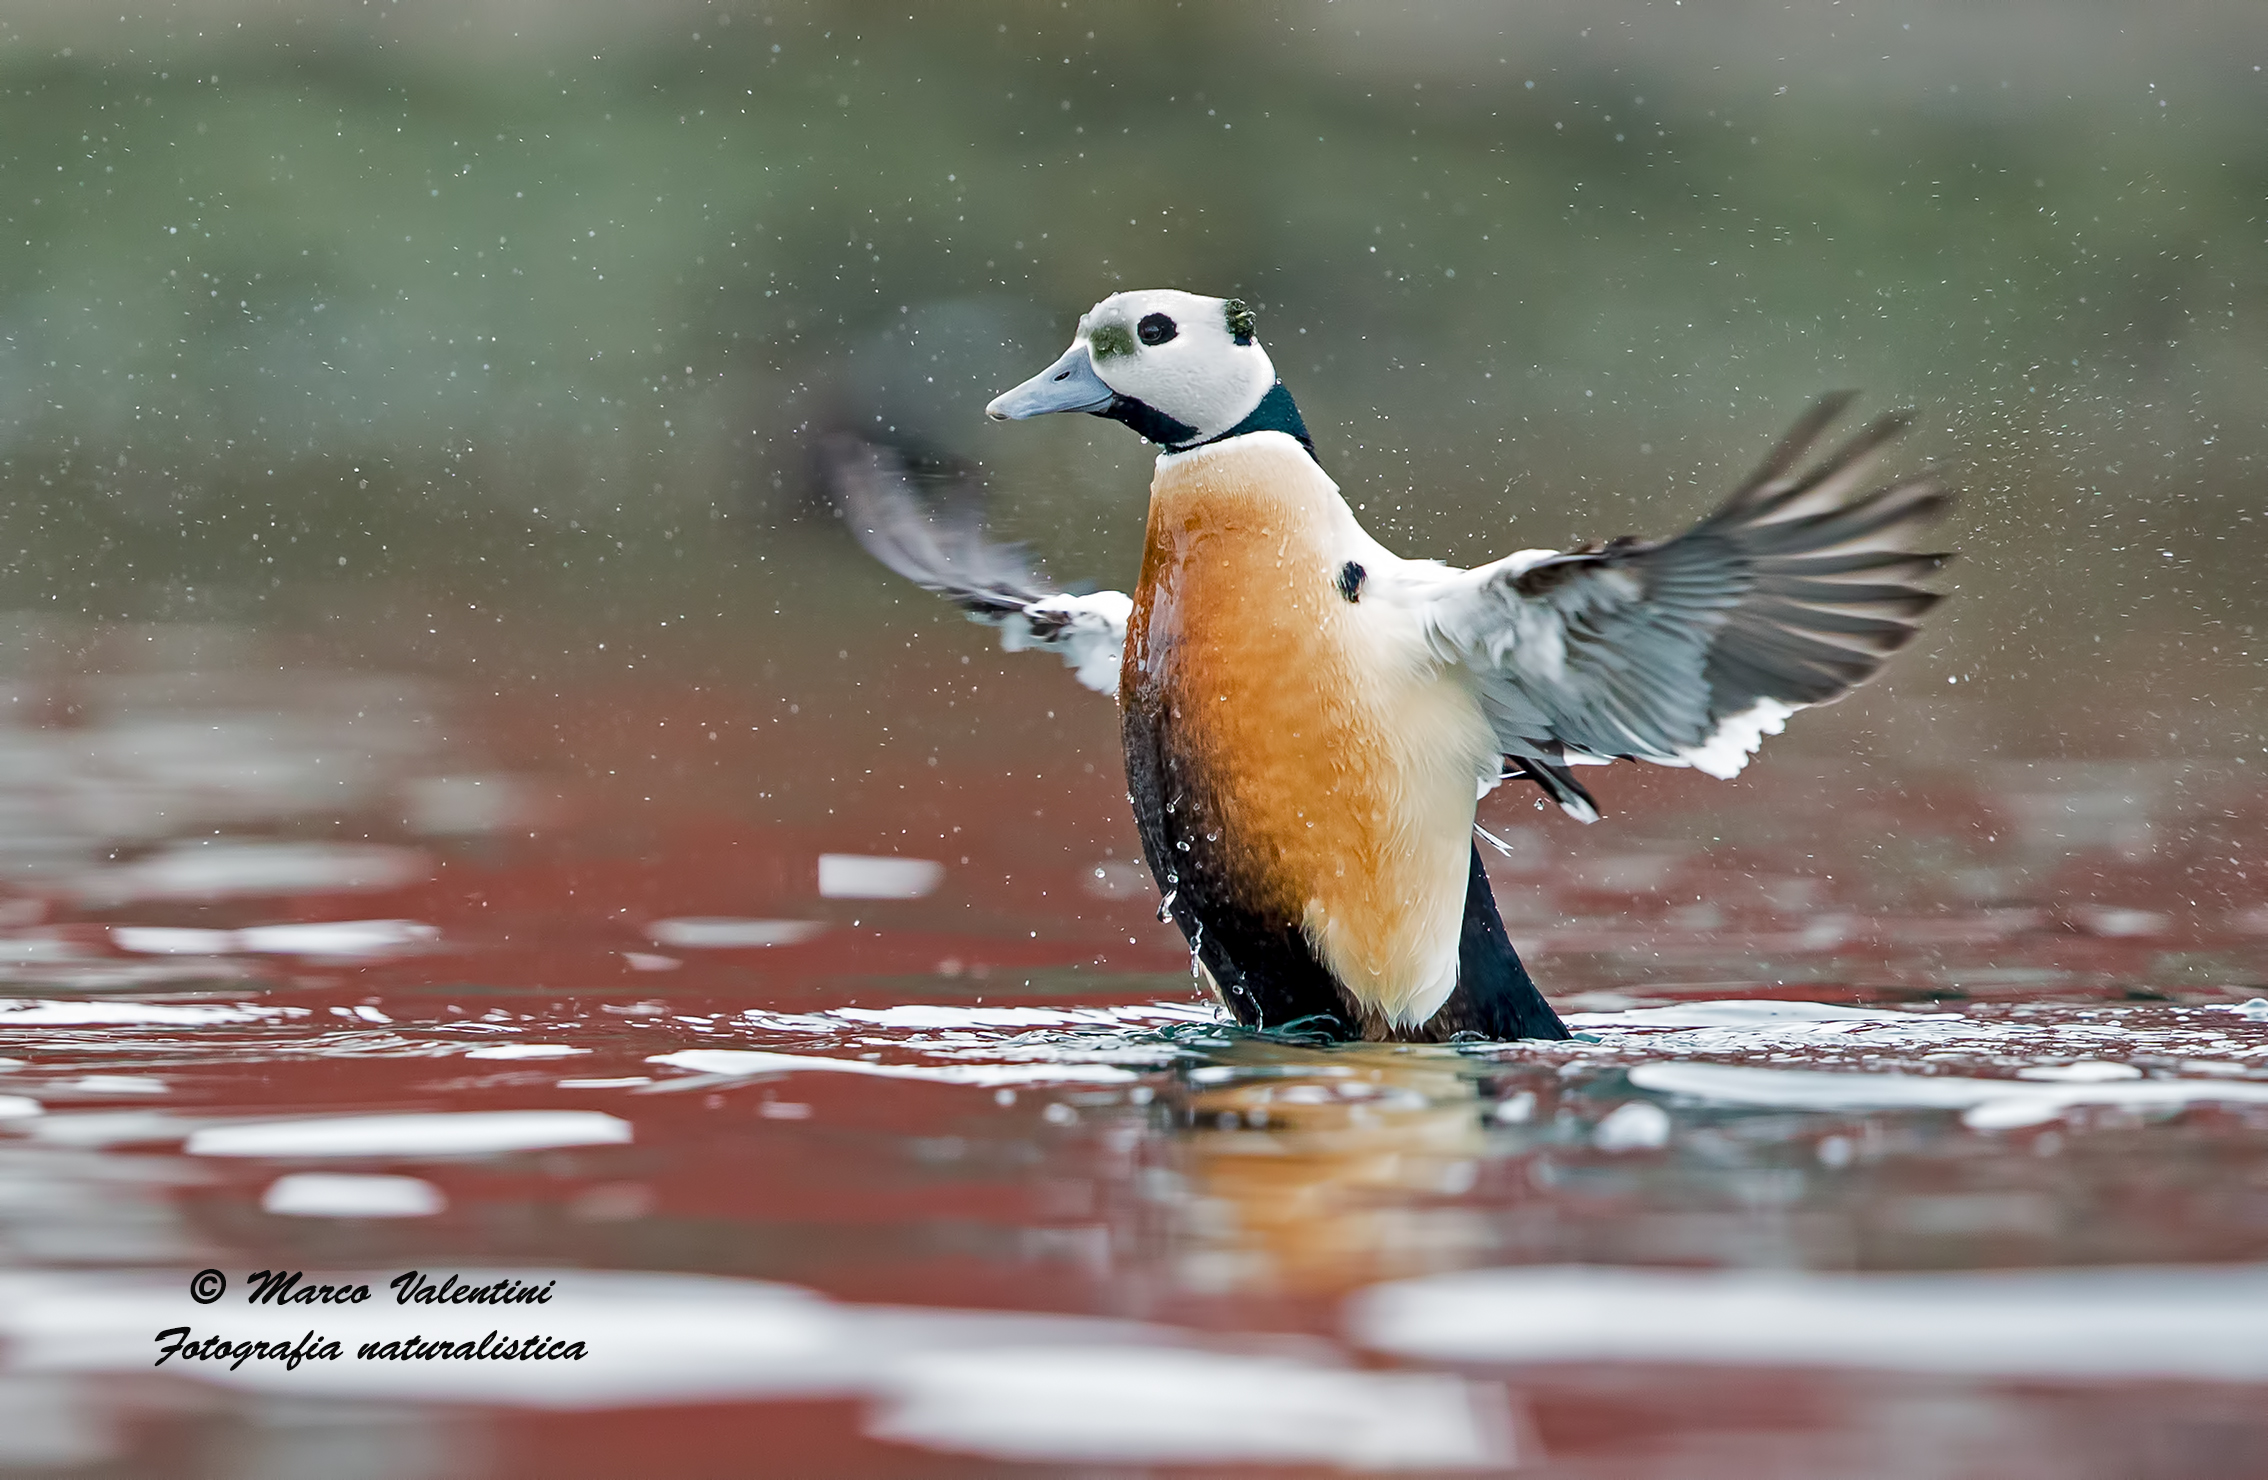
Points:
[(1241, 323), (1110, 341)]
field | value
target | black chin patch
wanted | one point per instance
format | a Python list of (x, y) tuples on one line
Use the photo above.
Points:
[(1149, 423), (1275, 413)]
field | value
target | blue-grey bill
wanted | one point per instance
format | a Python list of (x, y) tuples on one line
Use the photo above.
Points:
[(1070, 384)]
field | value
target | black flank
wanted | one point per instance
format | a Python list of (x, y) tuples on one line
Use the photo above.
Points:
[(1495, 996)]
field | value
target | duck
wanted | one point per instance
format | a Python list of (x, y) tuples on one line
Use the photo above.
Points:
[(1310, 720)]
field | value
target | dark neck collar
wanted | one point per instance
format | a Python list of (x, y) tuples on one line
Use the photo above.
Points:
[(1276, 413)]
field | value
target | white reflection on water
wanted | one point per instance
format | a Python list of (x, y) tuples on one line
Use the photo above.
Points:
[(214, 870), (924, 1015), (726, 932), (33, 1013), (2047, 1034), (108, 1085), (1746, 1012), (747, 1063), (2085, 1071), (1169, 1405), (1640, 1125), (100, 1128), (1988, 1104), (526, 1051), (333, 1195), (858, 876), (465, 1133), (2199, 1323), (344, 940)]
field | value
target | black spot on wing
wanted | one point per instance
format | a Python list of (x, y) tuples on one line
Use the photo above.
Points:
[(1555, 781)]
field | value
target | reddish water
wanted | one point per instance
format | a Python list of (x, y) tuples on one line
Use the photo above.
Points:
[(1951, 1165)]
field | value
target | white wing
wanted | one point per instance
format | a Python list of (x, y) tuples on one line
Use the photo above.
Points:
[(1688, 652), (942, 546)]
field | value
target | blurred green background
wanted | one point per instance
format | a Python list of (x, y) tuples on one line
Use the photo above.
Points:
[(472, 335)]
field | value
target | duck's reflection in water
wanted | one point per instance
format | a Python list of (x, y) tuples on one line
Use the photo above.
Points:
[(1309, 1171)]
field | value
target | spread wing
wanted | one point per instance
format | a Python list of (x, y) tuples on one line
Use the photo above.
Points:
[(942, 546), (1689, 651)]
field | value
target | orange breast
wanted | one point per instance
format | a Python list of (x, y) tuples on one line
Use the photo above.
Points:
[(1230, 616)]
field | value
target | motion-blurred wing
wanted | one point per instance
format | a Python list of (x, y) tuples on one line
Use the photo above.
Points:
[(1688, 652), (944, 548)]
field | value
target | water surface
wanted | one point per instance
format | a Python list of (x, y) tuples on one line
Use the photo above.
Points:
[(1943, 1096)]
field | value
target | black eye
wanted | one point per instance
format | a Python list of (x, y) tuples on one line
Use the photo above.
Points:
[(1156, 328)]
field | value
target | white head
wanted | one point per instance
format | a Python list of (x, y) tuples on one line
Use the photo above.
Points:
[(1177, 368)]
